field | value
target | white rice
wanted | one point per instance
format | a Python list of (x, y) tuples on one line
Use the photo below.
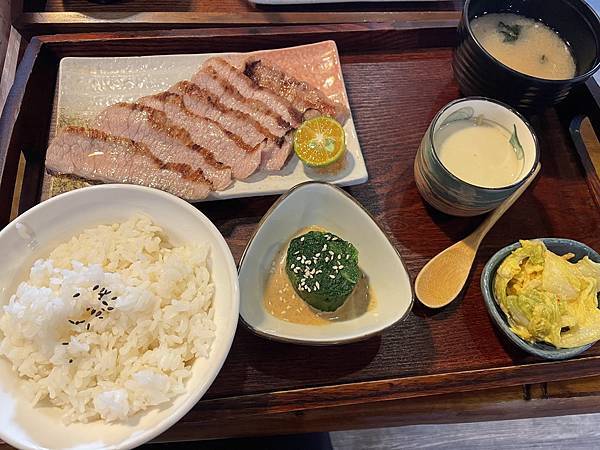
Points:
[(139, 354)]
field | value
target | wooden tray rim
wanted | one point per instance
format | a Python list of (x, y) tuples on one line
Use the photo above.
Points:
[(31, 23), (327, 395)]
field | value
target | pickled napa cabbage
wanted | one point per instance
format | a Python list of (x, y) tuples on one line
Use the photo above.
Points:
[(547, 298)]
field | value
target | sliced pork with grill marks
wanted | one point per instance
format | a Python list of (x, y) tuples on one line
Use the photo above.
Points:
[(275, 150), (275, 156), (250, 89), (206, 104), (302, 95), (98, 156), (229, 96), (227, 147), (167, 141)]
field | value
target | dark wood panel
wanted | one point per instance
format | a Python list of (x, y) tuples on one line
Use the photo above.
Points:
[(380, 39), (397, 79), (15, 121), (227, 6), (31, 24), (501, 404), (496, 404)]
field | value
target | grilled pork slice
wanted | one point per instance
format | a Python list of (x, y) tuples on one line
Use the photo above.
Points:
[(251, 90), (170, 143), (229, 96), (275, 156), (204, 103), (302, 95), (98, 156), (227, 147)]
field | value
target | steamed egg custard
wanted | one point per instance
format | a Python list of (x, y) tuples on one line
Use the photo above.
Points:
[(480, 152)]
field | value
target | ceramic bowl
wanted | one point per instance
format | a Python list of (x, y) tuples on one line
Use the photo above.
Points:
[(451, 195), (316, 203), (33, 235), (541, 349), (479, 73)]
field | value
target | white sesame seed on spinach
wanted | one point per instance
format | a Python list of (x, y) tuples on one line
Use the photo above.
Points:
[(318, 277)]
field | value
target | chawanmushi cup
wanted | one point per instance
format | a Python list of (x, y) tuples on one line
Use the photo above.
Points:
[(445, 191)]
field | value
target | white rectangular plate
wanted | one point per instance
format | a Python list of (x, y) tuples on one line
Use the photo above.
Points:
[(87, 85)]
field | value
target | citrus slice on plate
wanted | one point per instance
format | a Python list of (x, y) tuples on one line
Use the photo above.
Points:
[(320, 141)]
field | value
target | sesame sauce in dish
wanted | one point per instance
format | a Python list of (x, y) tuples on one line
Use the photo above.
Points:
[(282, 301)]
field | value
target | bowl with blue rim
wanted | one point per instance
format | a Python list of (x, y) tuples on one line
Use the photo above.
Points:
[(544, 350)]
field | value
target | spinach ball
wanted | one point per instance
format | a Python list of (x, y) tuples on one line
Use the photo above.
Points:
[(323, 268)]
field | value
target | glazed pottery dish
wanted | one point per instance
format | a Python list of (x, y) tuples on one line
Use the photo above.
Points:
[(118, 308), (509, 49), (490, 284), (474, 155), (321, 272)]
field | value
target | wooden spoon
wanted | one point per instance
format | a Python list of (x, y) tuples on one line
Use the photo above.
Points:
[(443, 277)]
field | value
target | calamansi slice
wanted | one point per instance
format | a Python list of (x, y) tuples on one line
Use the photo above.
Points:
[(320, 141)]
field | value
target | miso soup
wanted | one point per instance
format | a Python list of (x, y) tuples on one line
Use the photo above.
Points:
[(525, 45)]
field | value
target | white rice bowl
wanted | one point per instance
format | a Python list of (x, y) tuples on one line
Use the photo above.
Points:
[(111, 322), (138, 366)]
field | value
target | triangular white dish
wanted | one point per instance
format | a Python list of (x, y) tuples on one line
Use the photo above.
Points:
[(325, 205)]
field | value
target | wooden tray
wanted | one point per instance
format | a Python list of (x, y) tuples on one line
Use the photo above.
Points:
[(397, 76)]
